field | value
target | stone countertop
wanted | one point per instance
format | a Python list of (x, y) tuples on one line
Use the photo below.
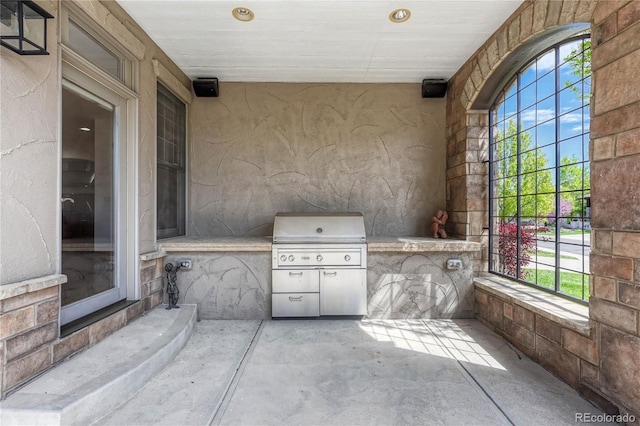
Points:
[(204, 244), (258, 244), (419, 245)]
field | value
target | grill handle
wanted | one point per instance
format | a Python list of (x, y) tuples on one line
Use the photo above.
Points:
[(330, 274), (295, 299), (295, 274)]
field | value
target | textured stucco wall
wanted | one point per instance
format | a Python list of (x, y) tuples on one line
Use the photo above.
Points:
[(261, 148), (29, 136), (146, 125), (29, 131), (237, 285), (418, 285), (226, 285)]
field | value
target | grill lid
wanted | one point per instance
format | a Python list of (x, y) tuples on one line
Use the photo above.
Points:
[(319, 228)]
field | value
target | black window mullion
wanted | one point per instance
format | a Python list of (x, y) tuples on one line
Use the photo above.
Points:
[(518, 179), (491, 188), (557, 171)]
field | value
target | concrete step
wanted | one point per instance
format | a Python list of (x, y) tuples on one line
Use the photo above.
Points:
[(92, 384), (191, 390)]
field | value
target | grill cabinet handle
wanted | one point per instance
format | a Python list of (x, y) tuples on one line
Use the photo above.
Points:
[(295, 299), (330, 274), (295, 274)]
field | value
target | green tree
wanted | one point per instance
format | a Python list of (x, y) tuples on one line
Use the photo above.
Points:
[(579, 60), (574, 183), (536, 184), (575, 176)]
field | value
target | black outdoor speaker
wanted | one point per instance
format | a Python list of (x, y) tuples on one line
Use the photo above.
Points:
[(434, 88), (206, 87)]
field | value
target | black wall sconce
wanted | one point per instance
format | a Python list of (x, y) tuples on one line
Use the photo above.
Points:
[(23, 27)]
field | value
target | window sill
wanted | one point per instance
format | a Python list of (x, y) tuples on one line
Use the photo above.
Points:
[(571, 315)]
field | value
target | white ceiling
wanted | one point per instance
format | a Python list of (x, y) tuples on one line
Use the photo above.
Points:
[(320, 40)]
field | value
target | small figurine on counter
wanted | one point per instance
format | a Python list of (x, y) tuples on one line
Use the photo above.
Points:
[(437, 224)]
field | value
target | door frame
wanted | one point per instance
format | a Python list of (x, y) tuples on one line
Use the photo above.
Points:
[(77, 73)]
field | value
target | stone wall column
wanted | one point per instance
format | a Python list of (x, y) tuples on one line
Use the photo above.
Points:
[(615, 200), (477, 149), (457, 167)]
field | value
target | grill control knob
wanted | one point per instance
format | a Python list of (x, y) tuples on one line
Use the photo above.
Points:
[(347, 258), (291, 258), (283, 258), (319, 258)]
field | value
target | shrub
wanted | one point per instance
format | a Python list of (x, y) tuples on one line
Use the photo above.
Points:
[(508, 248)]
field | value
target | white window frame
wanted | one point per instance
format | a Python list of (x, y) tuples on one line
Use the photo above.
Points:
[(80, 72)]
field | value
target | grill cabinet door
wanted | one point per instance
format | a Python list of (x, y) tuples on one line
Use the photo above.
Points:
[(343, 292)]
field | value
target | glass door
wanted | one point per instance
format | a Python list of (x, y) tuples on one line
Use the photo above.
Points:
[(93, 132)]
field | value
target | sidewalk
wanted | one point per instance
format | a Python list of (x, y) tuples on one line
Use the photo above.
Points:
[(568, 261)]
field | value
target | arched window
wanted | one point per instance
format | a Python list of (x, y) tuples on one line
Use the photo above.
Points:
[(539, 172)]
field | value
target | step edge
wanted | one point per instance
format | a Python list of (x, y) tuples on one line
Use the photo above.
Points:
[(115, 391)]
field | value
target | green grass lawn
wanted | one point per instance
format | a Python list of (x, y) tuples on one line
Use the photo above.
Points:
[(570, 282)]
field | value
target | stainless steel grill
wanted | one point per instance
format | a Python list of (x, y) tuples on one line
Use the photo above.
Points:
[(319, 265)]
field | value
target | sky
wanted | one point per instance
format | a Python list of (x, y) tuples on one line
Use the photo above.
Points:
[(538, 106)]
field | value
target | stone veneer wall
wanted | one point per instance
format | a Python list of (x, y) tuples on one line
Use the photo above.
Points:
[(615, 200), (29, 328), (569, 352), (151, 282), (614, 307), (263, 148)]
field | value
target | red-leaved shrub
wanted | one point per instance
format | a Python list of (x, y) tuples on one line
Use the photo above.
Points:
[(508, 248)]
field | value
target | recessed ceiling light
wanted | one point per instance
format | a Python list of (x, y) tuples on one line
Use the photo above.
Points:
[(85, 129), (242, 14), (400, 15)]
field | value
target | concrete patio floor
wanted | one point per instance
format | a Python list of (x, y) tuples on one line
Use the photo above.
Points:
[(347, 372), (166, 368)]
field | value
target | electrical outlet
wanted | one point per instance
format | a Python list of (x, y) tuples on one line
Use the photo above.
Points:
[(185, 263), (454, 264)]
